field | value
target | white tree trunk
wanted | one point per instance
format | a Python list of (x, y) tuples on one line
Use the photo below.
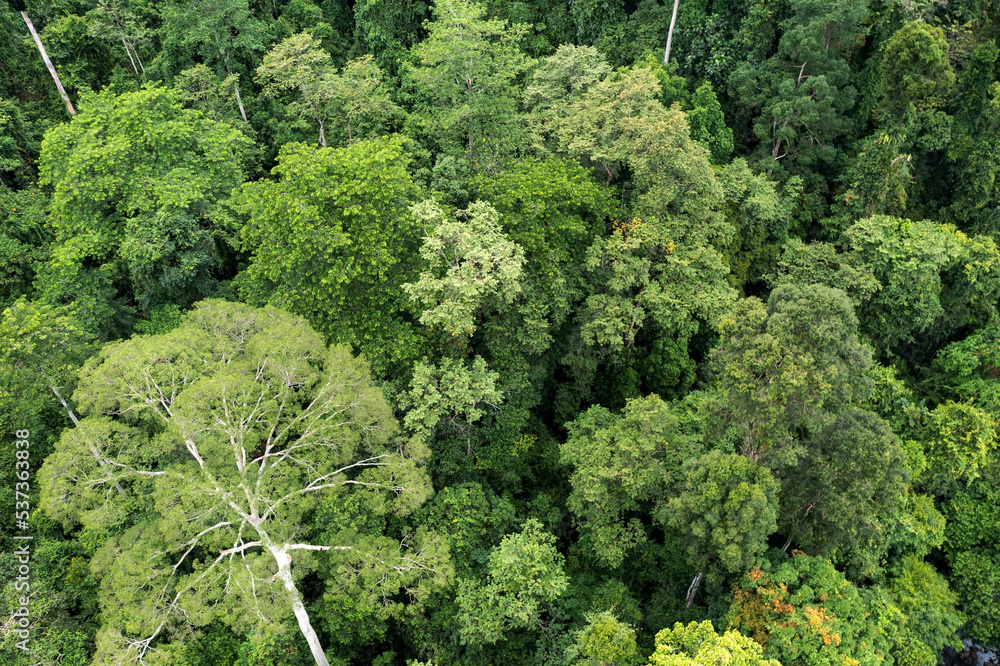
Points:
[(670, 32), (284, 561), (48, 63), (239, 102)]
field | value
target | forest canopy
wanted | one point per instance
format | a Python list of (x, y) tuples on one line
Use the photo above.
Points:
[(553, 332)]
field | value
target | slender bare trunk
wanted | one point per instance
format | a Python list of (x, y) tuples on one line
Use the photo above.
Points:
[(239, 102), (128, 52), (693, 589), (236, 87), (305, 626), (48, 63), (139, 60), (322, 134), (670, 32)]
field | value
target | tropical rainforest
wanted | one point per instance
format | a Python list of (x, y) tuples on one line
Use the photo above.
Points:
[(553, 332)]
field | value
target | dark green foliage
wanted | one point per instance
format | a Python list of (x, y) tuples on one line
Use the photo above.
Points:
[(686, 363)]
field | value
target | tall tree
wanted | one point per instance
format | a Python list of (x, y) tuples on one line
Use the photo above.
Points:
[(331, 238), (354, 101), (786, 367), (138, 181), (201, 453), (466, 67)]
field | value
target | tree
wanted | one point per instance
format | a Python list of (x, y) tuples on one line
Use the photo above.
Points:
[(725, 509), (970, 368), (121, 21), (804, 91), (622, 465), (472, 267), (708, 124), (605, 641), (931, 619), (331, 239), (959, 439), (48, 63), (524, 575), (466, 68), (786, 367), (972, 555), (554, 210), (697, 644), (848, 488), (201, 453), (449, 397), (920, 292), (140, 182), (356, 99), (224, 33), (915, 69), (803, 611)]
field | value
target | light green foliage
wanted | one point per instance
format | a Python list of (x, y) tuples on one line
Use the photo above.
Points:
[(725, 509), (621, 465), (466, 67), (137, 179), (472, 267), (787, 366), (558, 82), (331, 239), (200, 456), (202, 90), (959, 439), (698, 644), (524, 576), (355, 102), (803, 611), (448, 397), (920, 291), (849, 486), (929, 610), (916, 70), (708, 124), (553, 210), (605, 641)]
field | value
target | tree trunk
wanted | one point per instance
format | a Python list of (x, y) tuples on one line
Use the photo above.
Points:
[(128, 53), (693, 589), (48, 63), (305, 626), (239, 102), (670, 32)]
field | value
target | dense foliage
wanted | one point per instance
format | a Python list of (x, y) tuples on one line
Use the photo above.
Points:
[(443, 332)]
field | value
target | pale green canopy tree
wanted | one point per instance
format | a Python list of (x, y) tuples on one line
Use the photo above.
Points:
[(355, 99), (212, 444), (471, 267)]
